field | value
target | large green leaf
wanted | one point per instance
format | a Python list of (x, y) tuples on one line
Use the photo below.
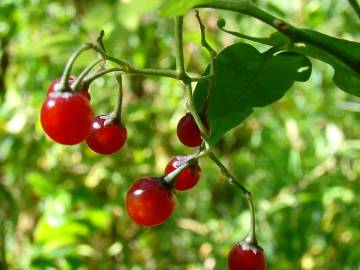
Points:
[(179, 7), (246, 78), (345, 77)]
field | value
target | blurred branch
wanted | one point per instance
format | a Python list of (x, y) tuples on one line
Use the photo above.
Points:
[(355, 6), (3, 263), (4, 63), (350, 106)]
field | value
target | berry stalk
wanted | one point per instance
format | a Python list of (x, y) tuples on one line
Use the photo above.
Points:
[(67, 70), (169, 178), (115, 116), (77, 84)]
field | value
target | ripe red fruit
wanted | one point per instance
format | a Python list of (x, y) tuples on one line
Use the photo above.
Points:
[(149, 202), (245, 256), (66, 117), (188, 177), (188, 132), (106, 139), (71, 79)]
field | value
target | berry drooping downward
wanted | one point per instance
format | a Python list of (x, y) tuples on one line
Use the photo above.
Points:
[(188, 132), (55, 84), (66, 117), (106, 139), (245, 256), (149, 202), (188, 177)]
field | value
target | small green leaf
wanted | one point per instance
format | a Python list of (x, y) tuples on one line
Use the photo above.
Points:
[(179, 7), (246, 78)]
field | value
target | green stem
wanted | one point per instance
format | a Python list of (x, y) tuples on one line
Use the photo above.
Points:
[(213, 54), (77, 84), (266, 41), (294, 33), (107, 56), (204, 42), (355, 6), (118, 106), (201, 78), (100, 41), (251, 239), (89, 79), (129, 69), (180, 64), (194, 113), (63, 84), (3, 263), (155, 72), (169, 178)]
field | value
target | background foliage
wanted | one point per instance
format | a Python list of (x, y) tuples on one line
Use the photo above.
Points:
[(63, 207)]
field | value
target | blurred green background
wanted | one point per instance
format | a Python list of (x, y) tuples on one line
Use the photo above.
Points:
[(63, 207)]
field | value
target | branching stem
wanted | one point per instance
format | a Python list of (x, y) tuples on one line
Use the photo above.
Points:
[(169, 178), (90, 78), (248, 196), (3, 261), (63, 84), (294, 33), (213, 54), (77, 84), (179, 74)]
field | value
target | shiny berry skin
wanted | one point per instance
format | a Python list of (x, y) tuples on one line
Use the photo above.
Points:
[(106, 139), (245, 256), (188, 177), (149, 202), (188, 132), (71, 79), (66, 117)]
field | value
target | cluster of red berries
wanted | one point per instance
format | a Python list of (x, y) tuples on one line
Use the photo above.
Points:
[(67, 118), (151, 201)]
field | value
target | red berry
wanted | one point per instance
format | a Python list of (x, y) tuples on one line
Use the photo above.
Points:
[(71, 79), (245, 256), (66, 117), (188, 132), (106, 139), (188, 177), (149, 202)]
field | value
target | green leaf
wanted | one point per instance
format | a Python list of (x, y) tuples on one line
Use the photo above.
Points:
[(179, 7), (246, 78), (345, 76)]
